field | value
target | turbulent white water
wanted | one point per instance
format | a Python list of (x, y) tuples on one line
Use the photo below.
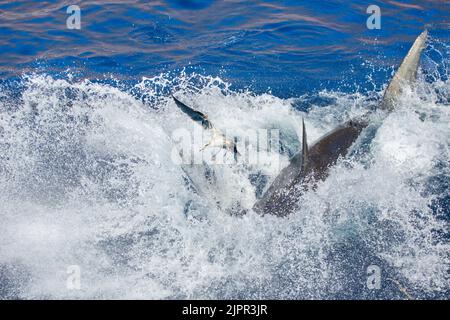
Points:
[(88, 179)]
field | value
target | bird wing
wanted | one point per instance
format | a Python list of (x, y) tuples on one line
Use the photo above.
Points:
[(195, 115)]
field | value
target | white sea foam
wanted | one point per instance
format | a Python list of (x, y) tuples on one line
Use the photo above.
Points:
[(88, 179)]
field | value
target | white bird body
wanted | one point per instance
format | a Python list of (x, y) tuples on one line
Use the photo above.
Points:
[(218, 139)]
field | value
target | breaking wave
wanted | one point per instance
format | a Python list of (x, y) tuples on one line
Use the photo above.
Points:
[(88, 179)]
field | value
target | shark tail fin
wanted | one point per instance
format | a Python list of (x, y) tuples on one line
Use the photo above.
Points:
[(304, 145), (406, 73)]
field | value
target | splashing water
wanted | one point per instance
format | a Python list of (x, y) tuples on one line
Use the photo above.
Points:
[(88, 179)]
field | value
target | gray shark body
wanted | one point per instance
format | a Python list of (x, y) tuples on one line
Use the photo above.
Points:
[(282, 196), (312, 164)]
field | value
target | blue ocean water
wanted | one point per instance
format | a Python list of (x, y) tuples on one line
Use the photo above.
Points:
[(291, 47), (87, 122)]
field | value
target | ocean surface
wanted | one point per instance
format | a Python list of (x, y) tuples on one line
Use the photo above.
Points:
[(93, 204)]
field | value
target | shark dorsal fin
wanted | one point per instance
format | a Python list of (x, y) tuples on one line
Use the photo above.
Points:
[(406, 73), (304, 145)]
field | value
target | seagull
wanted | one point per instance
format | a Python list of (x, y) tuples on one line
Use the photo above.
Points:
[(218, 139)]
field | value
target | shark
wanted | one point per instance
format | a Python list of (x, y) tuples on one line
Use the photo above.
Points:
[(313, 162)]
